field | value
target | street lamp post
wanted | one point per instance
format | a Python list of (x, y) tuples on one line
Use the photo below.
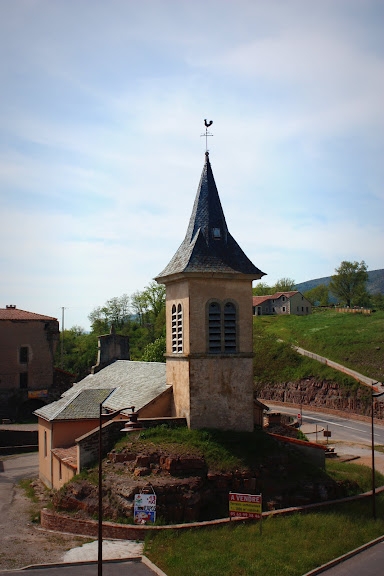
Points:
[(373, 395), (107, 416)]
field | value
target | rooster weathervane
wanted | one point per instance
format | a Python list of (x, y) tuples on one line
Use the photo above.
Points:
[(206, 134)]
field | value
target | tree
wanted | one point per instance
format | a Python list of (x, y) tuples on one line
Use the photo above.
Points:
[(262, 289), (115, 311), (349, 283), (319, 295), (149, 304), (284, 285), (154, 351)]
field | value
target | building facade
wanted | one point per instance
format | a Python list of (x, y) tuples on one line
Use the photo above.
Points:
[(27, 346), (292, 302)]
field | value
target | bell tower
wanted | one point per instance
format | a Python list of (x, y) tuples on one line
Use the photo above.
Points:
[(209, 319)]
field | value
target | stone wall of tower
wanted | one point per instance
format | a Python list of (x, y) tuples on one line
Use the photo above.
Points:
[(209, 390)]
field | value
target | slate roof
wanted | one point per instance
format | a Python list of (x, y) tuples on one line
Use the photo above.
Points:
[(16, 314), (123, 383), (202, 251)]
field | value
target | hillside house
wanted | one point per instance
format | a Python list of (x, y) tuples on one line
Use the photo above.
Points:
[(282, 303)]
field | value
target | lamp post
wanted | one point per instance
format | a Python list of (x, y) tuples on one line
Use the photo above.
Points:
[(107, 416), (373, 395)]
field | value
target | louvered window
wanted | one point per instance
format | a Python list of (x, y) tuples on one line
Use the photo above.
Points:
[(222, 326), (177, 329), (214, 328), (229, 328)]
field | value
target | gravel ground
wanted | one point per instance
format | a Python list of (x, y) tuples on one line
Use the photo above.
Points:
[(21, 542)]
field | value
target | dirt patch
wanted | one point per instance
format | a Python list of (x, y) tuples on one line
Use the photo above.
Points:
[(23, 543)]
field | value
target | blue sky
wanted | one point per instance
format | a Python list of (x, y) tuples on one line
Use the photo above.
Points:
[(101, 111)]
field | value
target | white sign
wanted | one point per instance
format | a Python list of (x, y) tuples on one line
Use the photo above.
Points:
[(144, 508)]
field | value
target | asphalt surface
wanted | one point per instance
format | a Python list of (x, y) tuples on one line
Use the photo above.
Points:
[(130, 567)]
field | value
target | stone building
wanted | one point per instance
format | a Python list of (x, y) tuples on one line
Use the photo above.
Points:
[(27, 345), (209, 347)]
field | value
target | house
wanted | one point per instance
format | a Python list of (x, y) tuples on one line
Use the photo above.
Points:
[(207, 379), (292, 302), (27, 346), (115, 382)]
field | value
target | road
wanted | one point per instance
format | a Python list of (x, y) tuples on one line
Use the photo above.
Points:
[(369, 563)]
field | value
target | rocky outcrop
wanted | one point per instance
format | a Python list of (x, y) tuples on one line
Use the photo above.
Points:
[(322, 394), (187, 491)]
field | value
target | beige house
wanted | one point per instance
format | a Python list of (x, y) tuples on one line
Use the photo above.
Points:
[(292, 302)]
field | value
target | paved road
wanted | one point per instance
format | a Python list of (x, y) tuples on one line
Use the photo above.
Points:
[(13, 469), (366, 563), (130, 568)]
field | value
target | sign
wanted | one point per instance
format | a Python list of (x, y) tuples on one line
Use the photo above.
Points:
[(32, 394), (244, 505), (327, 433), (299, 416), (144, 508)]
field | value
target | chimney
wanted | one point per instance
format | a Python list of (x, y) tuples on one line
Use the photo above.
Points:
[(11, 306), (111, 347)]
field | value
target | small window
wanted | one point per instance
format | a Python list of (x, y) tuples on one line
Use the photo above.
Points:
[(307, 309), (283, 308), (302, 308), (23, 356), (45, 444), (298, 309), (216, 233), (24, 380), (283, 298), (60, 471)]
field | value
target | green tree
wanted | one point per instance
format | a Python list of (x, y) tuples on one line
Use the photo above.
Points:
[(284, 285), (154, 351), (149, 304), (115, 312), (377, 301), (262, 289), (79, 352), (318, 296), (349, 283)]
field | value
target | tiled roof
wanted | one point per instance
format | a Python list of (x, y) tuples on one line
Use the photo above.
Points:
[(67, 455), (202, 250), (121, 384), (257, 300), (16, 314)]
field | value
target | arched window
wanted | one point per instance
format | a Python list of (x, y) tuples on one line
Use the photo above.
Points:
[(229, 328), (177, 329), (214, 328)]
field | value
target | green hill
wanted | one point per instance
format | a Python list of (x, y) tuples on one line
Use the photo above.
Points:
[(375, 283), (354, 340)]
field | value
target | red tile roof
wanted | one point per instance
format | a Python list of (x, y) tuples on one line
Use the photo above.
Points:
[(67, 455), (257, 300), (16, 314)]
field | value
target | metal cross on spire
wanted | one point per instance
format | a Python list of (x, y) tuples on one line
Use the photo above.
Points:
[(206, 134)]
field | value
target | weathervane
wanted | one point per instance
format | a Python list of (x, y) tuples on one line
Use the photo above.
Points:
[(207, 125)]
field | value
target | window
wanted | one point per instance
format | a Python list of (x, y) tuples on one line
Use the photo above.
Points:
[(307, 309), (214, 328), (24, 380), (283, 308), (60, 471), (177, 329), (222, 328), (283, 298), (23, 355), (216, 233), (45, 444), (229, 328)]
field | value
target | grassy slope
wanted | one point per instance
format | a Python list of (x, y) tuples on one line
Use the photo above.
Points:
[(354, 340)]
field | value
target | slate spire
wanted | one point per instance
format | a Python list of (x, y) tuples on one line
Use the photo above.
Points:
[(208, 247)]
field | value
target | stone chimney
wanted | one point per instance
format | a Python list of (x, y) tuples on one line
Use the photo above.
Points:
[(111, 347)]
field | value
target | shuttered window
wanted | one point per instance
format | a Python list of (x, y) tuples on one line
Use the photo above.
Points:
[(177, 328), (222, 328)]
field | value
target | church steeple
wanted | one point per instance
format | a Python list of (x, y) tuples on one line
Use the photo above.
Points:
[(208, 245)]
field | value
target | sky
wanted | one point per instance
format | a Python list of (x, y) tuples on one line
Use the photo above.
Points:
[(102, 108)]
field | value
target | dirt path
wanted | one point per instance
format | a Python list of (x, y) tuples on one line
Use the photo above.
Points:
[(21, 542)]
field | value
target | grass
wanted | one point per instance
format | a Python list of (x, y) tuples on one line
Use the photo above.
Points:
[(34, 510), (288, 546), (354, 340), (354, 473)]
